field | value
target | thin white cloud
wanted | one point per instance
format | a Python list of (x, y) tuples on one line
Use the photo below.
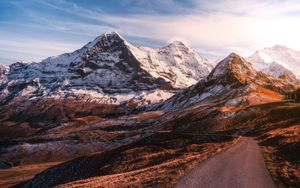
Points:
[(31, 50)]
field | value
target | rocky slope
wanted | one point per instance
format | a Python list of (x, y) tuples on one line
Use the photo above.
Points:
[(108, 70), (277, 61), (234, 81), (3, 74), (154, 148), (186, 137)]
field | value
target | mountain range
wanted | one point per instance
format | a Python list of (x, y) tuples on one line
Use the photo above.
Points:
[(109, 70), (236, 82), (143, 115)]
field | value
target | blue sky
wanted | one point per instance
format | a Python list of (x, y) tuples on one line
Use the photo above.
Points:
[(31, 30)]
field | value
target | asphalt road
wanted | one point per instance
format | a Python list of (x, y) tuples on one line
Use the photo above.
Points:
[(238, 167)]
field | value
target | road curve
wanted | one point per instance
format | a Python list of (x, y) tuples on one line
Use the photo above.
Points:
[(240, 166)]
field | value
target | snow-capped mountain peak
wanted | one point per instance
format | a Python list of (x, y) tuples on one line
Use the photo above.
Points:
[(108, 69), (233, 66), (233, 81), (277, 70), (177, 44), (105, 40), (278, 47), (175, 63), (289, 60)]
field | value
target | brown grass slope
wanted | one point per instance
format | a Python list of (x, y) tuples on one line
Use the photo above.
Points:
[(156, 161), (140, 161)]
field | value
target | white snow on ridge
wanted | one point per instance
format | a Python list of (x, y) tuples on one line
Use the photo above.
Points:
[(175, 62), (141, 98), (277, 70), (3, 71), (266, 59)]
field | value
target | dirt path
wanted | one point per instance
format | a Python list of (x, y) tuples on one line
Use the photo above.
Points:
[(241, 166)]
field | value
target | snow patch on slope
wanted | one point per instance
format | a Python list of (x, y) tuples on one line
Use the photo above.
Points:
[(234, 82), (175, 63), (268, 59)]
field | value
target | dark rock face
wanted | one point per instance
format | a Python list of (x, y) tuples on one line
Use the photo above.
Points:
[(119, 69), (4, 165)]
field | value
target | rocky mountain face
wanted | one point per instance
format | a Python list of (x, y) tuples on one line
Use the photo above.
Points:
[(277, 61), (3, 74), (279, 71), (108, 70), (175, 63), (235, 82)]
